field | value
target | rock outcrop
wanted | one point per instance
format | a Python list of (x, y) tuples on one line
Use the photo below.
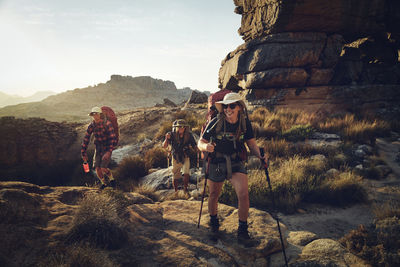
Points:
[(35, 144), (318, 55), (34, 141)]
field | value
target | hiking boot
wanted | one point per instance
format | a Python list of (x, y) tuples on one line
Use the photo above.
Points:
[(102, 186), (214, 229), (244, 238), (112, 184)]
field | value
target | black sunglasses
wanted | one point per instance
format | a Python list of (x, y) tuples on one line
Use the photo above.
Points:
[(232, 105)]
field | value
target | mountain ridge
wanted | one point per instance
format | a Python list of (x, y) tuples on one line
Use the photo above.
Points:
[(120, 93), (7, 99)]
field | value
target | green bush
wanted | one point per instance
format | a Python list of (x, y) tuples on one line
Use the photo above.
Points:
[(298, 133)]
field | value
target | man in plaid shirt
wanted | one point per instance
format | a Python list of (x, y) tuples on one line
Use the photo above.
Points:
[(105, 141)]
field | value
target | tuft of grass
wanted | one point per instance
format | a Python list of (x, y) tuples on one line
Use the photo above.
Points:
[(97, 222), (341, 190), (387, 210), (148, 192), (131, 168)]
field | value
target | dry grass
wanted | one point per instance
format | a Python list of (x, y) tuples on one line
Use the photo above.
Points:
[(298, 180), (77, 256), (387, 210), (148, 192), (180, 194), (281, 120), (378, 244), (164, 128), (353, 129), (97, 222)]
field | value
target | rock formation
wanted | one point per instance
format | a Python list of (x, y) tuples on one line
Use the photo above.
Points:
[(317, 55), (34, 144)]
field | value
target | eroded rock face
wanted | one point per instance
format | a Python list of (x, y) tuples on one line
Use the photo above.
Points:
[(320, 55), (281, 60), (349, 18), (34, 141)]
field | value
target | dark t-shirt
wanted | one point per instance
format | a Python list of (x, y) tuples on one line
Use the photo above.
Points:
[(224, 142)]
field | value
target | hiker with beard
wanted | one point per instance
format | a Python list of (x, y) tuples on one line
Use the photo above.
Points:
[(105, 142), (224, 139), (181, 139)]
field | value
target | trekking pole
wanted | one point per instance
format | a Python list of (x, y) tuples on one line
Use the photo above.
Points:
[(205, 184), (204, 189), (273, 205)]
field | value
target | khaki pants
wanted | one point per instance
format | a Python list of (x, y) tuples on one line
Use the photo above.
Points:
[(177, 166)]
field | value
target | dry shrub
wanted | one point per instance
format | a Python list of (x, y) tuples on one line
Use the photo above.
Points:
[(148, 191), (156, 157), (164, 128), (378, 244), (340, 190), (387, 210), (96, 221), (131, 168)]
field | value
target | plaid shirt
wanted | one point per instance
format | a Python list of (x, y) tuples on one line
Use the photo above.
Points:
[(104, 136)]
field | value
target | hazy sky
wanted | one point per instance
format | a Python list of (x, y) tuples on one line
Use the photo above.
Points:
[(60, 45)]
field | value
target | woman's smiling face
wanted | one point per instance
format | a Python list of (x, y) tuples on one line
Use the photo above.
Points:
[(231, 111)]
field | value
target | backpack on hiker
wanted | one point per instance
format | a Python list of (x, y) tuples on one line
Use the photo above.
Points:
[(109, 115), (212, 111)]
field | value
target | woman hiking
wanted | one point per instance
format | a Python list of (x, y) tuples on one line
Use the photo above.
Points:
[(224, 139)]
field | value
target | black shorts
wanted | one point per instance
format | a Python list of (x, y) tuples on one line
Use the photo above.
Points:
[(218, 172)]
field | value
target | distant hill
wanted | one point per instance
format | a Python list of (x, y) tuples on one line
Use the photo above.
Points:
[(6, 99), (120, 93)]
